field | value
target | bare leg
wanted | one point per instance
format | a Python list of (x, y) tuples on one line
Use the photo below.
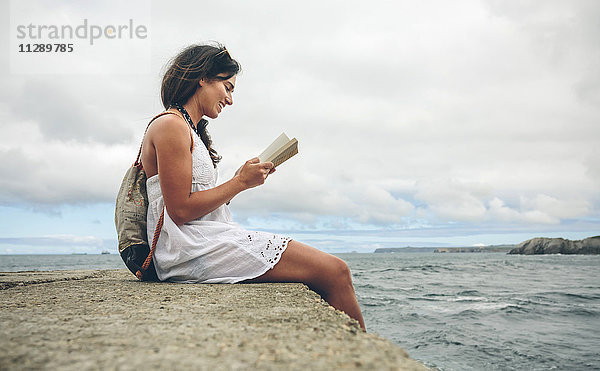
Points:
[(326, 274)]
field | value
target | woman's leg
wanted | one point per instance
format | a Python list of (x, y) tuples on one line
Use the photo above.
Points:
[(326, 274)]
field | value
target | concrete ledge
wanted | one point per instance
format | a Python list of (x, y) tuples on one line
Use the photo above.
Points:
[(108, 320)]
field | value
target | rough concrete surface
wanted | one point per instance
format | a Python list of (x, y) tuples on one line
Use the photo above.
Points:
[(72, 320)]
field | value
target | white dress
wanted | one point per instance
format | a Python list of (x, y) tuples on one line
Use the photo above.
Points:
[(210, 249)]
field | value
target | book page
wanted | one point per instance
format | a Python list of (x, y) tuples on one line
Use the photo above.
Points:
[(284, 153), (280, 150), (274, 147)]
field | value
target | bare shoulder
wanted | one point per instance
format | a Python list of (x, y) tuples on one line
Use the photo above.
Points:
[(170, 129), (169, 123), (168, 135)]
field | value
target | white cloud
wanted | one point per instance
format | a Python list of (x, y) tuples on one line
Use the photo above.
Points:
[(452, 199), (559, 209), (502, 213), (407, 113), (541, 209)]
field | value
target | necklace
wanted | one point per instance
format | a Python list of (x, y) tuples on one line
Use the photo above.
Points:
[(187, 117)]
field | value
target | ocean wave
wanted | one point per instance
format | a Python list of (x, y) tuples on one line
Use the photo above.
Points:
[(580, 311), (467, 299), (554, 297), (585, 297), (469, 293), (479, 308), (515, 308), (485, 312)]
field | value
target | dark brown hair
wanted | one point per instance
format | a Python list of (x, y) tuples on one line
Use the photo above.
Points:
[(192, 64)]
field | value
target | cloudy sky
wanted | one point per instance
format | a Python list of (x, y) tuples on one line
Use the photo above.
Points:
[(421, 123)]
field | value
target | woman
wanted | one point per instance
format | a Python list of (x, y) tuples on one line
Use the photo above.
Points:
[(198, 241)]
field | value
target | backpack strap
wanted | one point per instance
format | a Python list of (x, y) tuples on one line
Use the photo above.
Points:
[(153, 247), (138, 161)]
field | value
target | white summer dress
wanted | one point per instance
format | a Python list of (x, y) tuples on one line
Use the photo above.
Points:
[(210, 249)]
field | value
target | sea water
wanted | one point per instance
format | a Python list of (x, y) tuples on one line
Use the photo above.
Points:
[(16, 263), (470, 311), (479, 311)]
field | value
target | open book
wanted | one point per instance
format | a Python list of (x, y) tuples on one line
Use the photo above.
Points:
[(282, 149)]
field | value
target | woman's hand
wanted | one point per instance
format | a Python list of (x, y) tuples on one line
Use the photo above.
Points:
[(238, 170), (253, 173)]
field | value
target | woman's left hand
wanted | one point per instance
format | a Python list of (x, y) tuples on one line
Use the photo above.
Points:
[(238, 171)]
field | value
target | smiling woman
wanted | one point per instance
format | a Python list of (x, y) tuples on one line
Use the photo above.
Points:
[(199, 242)]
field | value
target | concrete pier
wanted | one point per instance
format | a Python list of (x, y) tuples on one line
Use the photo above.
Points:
[(73, 320)]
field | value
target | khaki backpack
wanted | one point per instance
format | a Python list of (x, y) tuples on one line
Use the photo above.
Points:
[(130, 219)]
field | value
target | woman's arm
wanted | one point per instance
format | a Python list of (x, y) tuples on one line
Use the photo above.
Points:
[(240, 169), (171, 141)]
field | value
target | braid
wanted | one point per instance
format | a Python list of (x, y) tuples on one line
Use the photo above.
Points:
[(202, 132)]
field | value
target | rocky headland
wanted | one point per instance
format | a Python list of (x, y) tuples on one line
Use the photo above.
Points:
[(543, 245)]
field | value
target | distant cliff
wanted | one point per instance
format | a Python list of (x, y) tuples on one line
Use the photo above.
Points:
[(403, 249), (493, 248), (496, 248), (544, 245)]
